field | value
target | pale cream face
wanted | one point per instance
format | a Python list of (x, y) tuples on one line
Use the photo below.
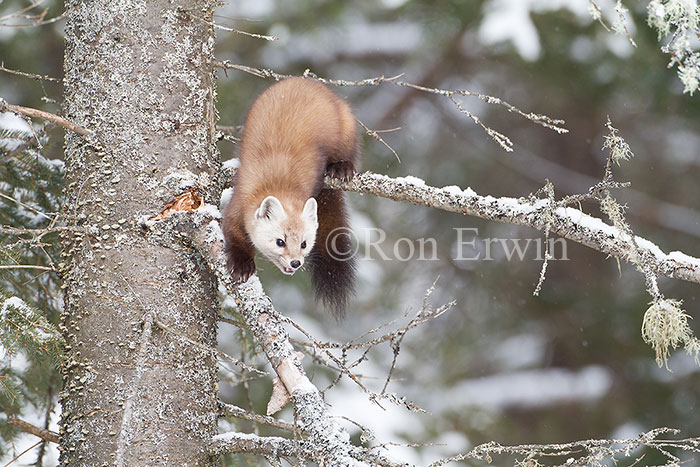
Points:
[(284, 238)]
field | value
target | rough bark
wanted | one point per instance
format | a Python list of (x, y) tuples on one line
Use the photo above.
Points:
[(138, 75)]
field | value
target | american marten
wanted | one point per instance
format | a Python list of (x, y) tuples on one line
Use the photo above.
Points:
[(296, 131)]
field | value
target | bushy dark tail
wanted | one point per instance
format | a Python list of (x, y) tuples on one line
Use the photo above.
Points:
[(332, 259)]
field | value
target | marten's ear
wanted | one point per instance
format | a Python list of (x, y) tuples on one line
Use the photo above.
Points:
[(270, 209), (309, 213)]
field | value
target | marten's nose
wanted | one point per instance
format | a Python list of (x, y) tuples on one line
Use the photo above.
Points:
[(295, 264)]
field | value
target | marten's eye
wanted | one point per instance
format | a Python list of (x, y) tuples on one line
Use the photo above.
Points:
[(303, 244), (280, 242)]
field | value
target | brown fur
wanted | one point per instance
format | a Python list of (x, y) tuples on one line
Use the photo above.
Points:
[(295, 131)]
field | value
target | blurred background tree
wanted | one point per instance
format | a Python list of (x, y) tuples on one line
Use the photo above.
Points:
[(503, 365)]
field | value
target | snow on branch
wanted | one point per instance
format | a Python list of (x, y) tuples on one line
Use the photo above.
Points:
[(586, 452), (567, 222), (29, 112), (24, 327), (268, 446), (330, 441), (274, 447)]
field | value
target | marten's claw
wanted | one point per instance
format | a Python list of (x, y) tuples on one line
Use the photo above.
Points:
[(343, 170), (240, 270)]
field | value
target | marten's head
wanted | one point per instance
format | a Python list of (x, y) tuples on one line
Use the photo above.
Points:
[(285, 237)]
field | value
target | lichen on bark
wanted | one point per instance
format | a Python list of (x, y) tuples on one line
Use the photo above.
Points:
[(139, 76)]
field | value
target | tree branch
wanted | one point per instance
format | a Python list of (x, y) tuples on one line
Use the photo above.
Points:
[(270, 446), (67, 124), (452, 95), (230, 410), (27, 266), (569, 223), (585, 452), (46, 435), (28, 75), (331, 442)]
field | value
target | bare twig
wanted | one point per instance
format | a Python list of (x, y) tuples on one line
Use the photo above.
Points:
[(548, 189), (424, 314), (205, 348), (502, 140), (598, 14), (50, 404), (26, 266), (10, 198), (35, 19), (620, 25), (375, 134), (46, 435), (29, 112), (28, 75), (339, 364), (230, 129), (236, 31), (230, 410), (24, 452)]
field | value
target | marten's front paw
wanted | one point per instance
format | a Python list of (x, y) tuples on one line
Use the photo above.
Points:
[(343, 170), (240, 268)]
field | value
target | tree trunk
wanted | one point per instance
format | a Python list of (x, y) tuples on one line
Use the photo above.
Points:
[(137, 390)]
